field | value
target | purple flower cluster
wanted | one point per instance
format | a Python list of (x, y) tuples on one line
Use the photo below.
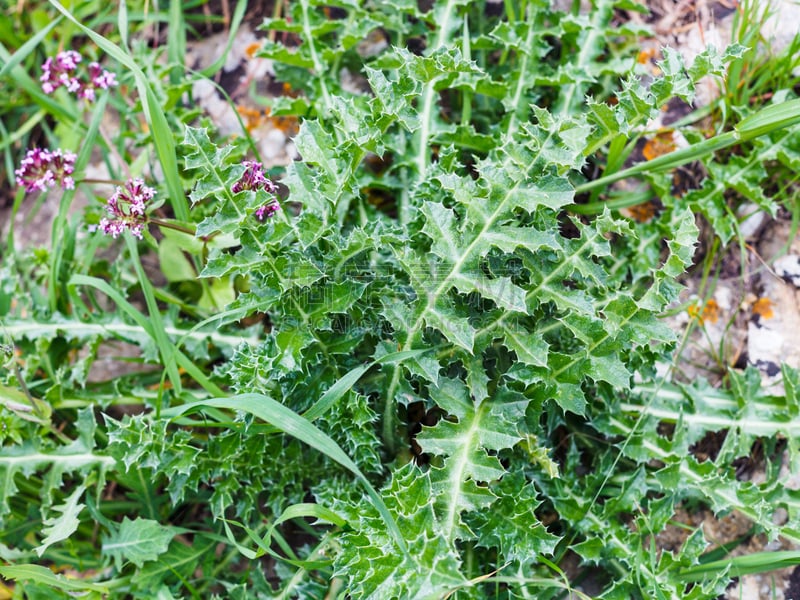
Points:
[(42, 169), (100, 79), (60, 71), (269, 209), (126, 209), (253, 178)]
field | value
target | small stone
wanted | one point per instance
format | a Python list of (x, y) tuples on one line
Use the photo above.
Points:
[(788, 268)]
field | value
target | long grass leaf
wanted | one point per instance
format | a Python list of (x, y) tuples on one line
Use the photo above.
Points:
[(176, 40), (288, 421), (759, 562), (238, 15), (116, 296), (666, 161), (26, 48), (769, 119), (61, 234), (197, 374), (146, 325), (264, 543), (152, 326), (123, 22), (340, 388), (766, 120), (166, 348)]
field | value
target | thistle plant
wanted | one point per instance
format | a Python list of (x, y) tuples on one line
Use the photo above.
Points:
[(430, 370)]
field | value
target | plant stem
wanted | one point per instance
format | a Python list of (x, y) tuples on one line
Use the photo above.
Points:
[(177, 227), (466, 104), (767, 120), (428, 95)]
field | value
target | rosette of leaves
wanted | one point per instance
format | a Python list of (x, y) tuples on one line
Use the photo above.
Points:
[(425, 259), (472, 258)]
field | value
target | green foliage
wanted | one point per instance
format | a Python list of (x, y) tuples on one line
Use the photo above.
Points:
[(138, 541), (452, 371)]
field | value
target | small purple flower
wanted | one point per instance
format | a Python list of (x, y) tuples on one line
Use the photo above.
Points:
[(101, 79), (68, 60), (253, 178), (126, 209), (265, 212), (58, 72), (42, 169)]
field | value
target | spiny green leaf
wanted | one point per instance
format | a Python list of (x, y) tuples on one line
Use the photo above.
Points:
[(138, 540), (44, 576), (430, 566), (465, 443), (27, 459), (508, 526), (58, 529)]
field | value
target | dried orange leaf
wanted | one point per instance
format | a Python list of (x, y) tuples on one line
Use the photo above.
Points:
[(763, 308), (662, 143)]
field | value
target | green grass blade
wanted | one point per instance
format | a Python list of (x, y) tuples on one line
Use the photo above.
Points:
[(288, 421), (295, 511), (142, 321), (197, 374), (176, 40), (265, 549), (769, 119), (340, 388), (317, 511), (759, 562), (152, 326), (236, 21), (26, 48), (220, 320), (165, 347), (182, 360), (61, 231), (666, 161), (156, 119), (33, 88), (123, 23), (334, 393), (116, 296)]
